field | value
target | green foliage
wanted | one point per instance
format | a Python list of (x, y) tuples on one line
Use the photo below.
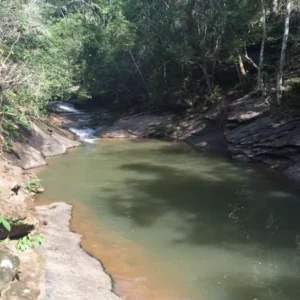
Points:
[(30, 241), (37, 63), (5, 223), (215, 97), (33, 185), (295, 87), (6, 241), (125, 52)]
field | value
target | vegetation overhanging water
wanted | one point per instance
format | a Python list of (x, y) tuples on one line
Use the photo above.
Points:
[(171, 223)]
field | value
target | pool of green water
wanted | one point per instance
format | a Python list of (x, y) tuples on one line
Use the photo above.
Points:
[(225, 230)]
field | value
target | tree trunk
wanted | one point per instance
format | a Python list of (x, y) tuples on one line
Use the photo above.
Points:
[(242, 67), (239, 75), (274, 8), (165, 73), (283, 51), (260, 83), (241, 71), (141, 74), (207, 78)]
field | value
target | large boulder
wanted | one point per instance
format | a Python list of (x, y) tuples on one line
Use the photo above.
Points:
[(40, 142), (44, 142), (9, 265), (30, 283), (27, 157)]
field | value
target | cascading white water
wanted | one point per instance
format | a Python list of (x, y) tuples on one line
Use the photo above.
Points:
[(82, 131), (66, 107), (84, 134)]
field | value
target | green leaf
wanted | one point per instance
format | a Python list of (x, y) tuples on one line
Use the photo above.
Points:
[(6, 224)]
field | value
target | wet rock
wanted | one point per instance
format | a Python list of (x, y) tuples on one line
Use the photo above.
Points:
[(40, 189), (9, 265)]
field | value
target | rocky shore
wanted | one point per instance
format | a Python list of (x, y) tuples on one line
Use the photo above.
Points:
[(61, 269), (246, 131), (71, 273)]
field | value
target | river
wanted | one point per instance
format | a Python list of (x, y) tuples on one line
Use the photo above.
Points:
[(171, 223)]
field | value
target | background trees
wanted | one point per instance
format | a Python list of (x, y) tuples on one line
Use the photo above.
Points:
[(137, 52)]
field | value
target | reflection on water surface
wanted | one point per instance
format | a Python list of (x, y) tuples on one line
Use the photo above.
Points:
[(170, 223)]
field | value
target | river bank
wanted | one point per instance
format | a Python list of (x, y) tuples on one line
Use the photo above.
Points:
[(70, 272), (247, 132), (244, 129), (33, 274)]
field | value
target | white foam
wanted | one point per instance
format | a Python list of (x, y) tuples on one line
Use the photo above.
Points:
[(68, 107), (85, 134)]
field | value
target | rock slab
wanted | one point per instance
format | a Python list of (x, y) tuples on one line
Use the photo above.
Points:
[(71, 274), (9, 265)]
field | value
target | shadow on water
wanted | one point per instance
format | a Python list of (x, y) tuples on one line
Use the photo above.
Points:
[(283, 288), (219, 210), (239, 231), (218, 205)]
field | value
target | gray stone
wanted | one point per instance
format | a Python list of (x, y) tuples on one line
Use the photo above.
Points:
[(27, 156), (68, 143), (9, 264), (254, 135), (138, 126), (70, 272), (29, 284), (44, 142)]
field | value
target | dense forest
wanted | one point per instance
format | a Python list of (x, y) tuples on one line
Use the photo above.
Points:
[(139, 53)]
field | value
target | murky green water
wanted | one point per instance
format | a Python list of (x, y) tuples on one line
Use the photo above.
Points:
[(226, 232)]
